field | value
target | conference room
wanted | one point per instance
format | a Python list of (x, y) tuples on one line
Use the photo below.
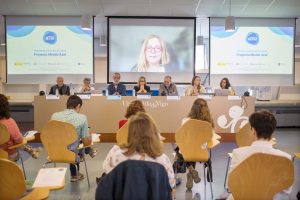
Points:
[(194, 99)]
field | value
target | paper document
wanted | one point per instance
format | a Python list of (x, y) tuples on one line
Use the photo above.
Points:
[(30, 135), (50, 177)]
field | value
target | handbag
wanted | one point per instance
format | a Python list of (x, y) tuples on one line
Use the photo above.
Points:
[(179, 165)]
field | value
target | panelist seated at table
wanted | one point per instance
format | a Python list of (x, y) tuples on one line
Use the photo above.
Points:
[(225, 84), (116, 88), (142, 87), (14, 132), (143, 144), (196, 88), (79, 121), (133, 108), (86, 87), (60, 87), (167, 88)]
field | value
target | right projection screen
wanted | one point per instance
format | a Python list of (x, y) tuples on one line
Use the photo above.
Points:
[(258, 52)]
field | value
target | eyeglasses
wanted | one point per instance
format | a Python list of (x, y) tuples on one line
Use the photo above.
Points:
[(156, 49)]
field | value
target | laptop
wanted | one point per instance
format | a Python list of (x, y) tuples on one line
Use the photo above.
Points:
[(221, 92)]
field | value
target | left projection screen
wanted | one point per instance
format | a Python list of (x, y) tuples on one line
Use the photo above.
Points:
[(40, 51)]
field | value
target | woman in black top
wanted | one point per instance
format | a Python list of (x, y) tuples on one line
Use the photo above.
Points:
[(142, 87)]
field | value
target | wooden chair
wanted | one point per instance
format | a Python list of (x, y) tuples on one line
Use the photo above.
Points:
[(243, 138), (191, 138), (261, 176), (13, 183), (56, 136), (122, 134), (4, 137)]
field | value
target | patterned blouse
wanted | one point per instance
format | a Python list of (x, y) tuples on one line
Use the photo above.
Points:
[(116, 156)]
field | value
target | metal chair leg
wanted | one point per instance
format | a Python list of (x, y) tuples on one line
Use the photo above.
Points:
[(204, 180), (209, 173), (226, 173), (86, 171), (22, 164)]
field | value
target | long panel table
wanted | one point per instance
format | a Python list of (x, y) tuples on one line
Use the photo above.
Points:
[(104, 113)]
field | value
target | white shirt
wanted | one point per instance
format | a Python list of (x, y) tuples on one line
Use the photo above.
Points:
[(116, 156), (80, 90), (259, 146)]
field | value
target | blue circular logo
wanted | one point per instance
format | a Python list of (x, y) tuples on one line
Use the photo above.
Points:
[(252, 38), (50, 37)]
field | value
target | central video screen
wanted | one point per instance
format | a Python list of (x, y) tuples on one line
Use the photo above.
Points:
[(151, 47)]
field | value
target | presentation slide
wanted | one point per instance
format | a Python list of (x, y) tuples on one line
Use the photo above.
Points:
[(49, 50), (252, 50), (152, 48)]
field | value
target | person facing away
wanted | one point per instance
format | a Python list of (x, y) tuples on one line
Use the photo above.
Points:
[(60, 87), (263, 124), (225, 84), (167, 88), (79, 121), (134, 107), (116, 88), (14, 132), (142, 87), (196, 88), (143, 143), (153, 56), (86, 87), (199, 111)]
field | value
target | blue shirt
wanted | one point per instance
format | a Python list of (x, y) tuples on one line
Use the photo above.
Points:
[(121, 89), (79, 121)]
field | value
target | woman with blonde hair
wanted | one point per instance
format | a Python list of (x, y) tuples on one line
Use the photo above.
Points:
[(133, 108), (153, 55), (142, 87), (143, 144), (199, 111)]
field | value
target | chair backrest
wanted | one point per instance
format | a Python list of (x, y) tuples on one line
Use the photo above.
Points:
[(4, 134), (56, 136), (11, 180), (243, 136), (261, 176), (135, 179), (122, 134), (191, 138)]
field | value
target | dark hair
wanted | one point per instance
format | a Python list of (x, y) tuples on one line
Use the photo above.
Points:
[(264, 124), (73, 101), (201, 111), (227, 83), (193, 80), (134, 107), (42, 93), (4, 107)]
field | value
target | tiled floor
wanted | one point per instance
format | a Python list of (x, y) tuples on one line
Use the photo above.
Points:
[(287, 140)]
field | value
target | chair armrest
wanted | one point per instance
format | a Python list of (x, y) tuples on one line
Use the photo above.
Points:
[(37, 194), (18, 145), (297, 155)]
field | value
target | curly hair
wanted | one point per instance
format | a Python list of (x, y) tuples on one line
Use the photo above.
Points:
[(133, 108), (201, 111), (4, 107)]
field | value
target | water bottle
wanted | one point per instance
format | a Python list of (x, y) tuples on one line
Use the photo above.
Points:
[(133, 92), (56, 92)]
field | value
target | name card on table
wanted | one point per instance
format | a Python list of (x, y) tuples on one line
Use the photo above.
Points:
[(114, 97), (143, 96), (173, 98), (84, 96), (234, 98), (205, 96), (51, 97)]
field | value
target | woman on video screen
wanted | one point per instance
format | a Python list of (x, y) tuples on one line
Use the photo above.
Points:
[(153, 56)]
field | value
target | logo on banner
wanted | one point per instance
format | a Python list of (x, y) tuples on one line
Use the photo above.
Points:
[(252, 38), (50, 37)]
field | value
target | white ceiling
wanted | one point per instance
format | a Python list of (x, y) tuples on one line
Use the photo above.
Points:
[(198, 8)]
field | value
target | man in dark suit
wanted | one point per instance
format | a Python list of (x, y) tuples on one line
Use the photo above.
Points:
[(60, 87), (116, 88)]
